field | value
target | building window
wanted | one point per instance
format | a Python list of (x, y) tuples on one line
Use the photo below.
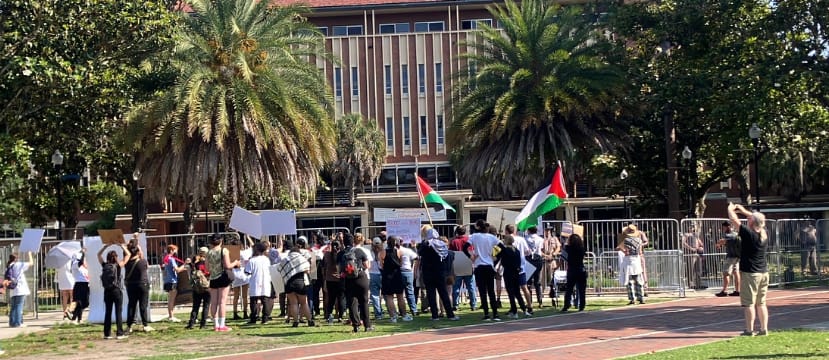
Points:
[(387, 74), (355, 82), (441, 130), (421, 78), (429, 26), (347, 30), (390, 134), (338, 82), (438, 77), (407, 131), (424, 139), (323, 30), (474, 23), (397, 28), (404, 79)]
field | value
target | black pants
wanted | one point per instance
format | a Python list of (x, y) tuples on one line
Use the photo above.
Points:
[(514, 292), (485, 280), (314, 299), (533, 281), (113, 301), (335, 297), (437, 281), (356, 298), (200, 300), (138, 294), (263, 303), (575, 278), (80, 294)]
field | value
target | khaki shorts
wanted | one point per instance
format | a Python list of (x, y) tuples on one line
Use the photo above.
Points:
[(730, 265), (753, 288)]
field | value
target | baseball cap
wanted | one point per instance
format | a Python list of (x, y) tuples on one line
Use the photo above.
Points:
[(203, 250), (376, 240), (302, 240)]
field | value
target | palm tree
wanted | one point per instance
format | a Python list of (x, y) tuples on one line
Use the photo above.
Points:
[(361, 152), (543, 91), (248, 111)]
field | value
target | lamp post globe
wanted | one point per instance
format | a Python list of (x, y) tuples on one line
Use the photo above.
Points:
[(624, 176), (57, 162)]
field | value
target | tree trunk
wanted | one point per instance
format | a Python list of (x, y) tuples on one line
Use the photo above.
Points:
[(670, 151)]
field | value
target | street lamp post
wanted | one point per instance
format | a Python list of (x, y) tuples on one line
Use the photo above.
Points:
[(137, 203), (754, 133), (57, 162), (687, 154), (624, 177)]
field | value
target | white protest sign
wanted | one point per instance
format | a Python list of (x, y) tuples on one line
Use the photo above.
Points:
[(462, 264), (31, 240), (278, 222), (408, 229), (500, 218), (381, 214), (246, 222)]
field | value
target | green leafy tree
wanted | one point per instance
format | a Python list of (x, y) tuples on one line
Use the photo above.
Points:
[(544, 88), (248, 112), (361, 152), (67, 73)]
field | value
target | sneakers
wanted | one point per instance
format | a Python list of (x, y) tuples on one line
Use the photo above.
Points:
[(746, 333), (173, 319), (223, 329), (455, 318), (631, 302), (721, 294), (148, 328), (393, 319), (407, 317), (486, 318), (527, 314), (108, 337), (763, 333), (496, 318), (735, 293), (512, 315), (121, 337)]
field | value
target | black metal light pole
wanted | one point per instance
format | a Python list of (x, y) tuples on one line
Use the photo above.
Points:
[(624, 177), (57, 162), (687, 154), (754, 133), (137, 203)]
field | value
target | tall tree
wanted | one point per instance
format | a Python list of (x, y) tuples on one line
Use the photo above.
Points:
[(67, 74), (247, 113), (361, 152), (543, 89)]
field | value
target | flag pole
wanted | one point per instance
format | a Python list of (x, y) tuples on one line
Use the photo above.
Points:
[(422, 200)]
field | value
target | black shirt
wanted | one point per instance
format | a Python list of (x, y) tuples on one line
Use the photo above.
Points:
[(575, 257), (429, 259), (752, 251), (136, 272), (510, 261)]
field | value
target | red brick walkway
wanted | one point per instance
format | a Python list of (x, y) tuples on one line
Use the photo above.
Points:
[(589, 335)]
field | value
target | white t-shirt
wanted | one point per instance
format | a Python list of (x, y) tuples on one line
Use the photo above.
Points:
[(406, 260), (483, 244), (536, 244), (524, 249), (312, 259), (80, 273), (258, 267), (372, 266), (19, 268), (64, 275)]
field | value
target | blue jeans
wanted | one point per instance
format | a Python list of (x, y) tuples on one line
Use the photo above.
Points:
[(469, 281), (408, 279), (16, 311), (374, 286)]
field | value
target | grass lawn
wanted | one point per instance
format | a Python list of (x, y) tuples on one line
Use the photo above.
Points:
[(172, 341), (784, 344)]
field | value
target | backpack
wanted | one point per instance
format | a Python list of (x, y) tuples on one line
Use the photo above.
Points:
[(351, 267), (198, 281), (448, 263), (109, 277), (10, 278)]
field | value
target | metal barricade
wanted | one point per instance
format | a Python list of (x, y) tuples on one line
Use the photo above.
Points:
[(798, 246), (662, 272), (554, 228)]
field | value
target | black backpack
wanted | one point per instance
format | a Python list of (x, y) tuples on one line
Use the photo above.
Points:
[(10, 277), (109, 277), (351, 268)]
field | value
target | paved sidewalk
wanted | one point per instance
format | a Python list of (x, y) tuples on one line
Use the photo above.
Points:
[(48, 320), (591, 335)]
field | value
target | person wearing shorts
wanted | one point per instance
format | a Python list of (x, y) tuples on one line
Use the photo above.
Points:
[(731, 264), (753, 268)]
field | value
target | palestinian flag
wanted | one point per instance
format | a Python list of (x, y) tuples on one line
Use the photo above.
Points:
[(544, 201), (429, 196)]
